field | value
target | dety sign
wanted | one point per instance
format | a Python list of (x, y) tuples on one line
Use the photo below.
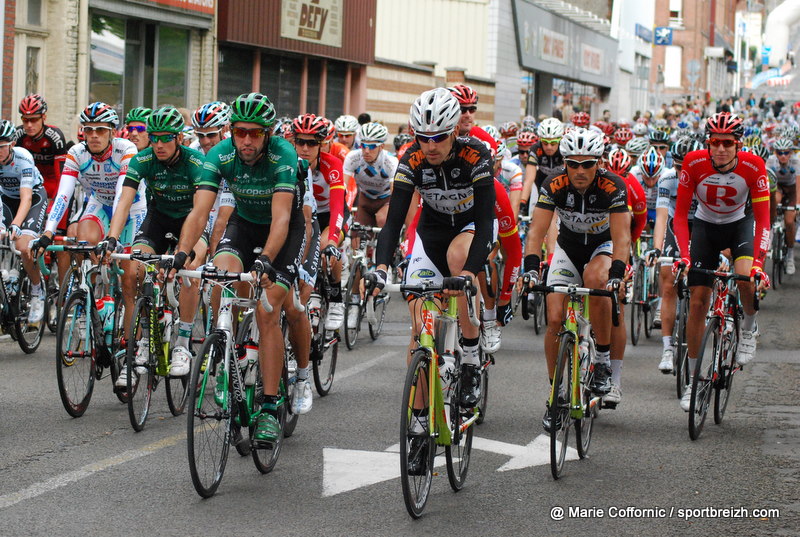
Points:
[(317, 21)]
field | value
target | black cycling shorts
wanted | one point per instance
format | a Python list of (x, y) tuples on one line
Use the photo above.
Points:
[(32, 225), (670, 248), (708, 240), (242, 237)]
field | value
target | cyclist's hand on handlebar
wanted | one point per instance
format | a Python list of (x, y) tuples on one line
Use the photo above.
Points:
[(332, 251), (376, 279), (531, 278), (455, 285), (758, 276), (172, 266), (681, 266), (264, 271), (38, 246), (651, 256), (504, 313), (107, 246)]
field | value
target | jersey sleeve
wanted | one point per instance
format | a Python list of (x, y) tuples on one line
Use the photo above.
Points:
[(680, 222), (759, 194), (509, 240), (404, 175), (638, 203), (337, 192), (136, 169), (66, 188), (211, 175), (28, 177)]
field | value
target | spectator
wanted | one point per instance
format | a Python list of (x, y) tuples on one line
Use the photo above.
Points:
[(364, 118)]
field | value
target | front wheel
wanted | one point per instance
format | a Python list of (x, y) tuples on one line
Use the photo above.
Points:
[(324, 353), (75, 356), (376, 328), (703, 383), (141, 363), (351, 298), (589, 407), (560, 419), (637, 306), (458, 453), (726, 367), (29, 334), (682, 373)]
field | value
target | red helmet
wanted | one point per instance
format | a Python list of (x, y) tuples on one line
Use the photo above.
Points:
[(607, 128), (619, 162), (623, 136), (526, 139), (466, 96), (623, 124), (509, 129), (286, 131), (32, 104), (581, 119), (724, 123), (317, 126)]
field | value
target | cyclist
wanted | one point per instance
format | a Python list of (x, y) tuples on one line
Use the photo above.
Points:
[(329, 188), (544, 158), (329, 145), (525, 140), (453, 176), (664, 241), (346, 127), (170, 172), (508, 131), (24, 204), (786, 167), (581, 119), (592, 248), (509, 175), (261, 171), (468, 102), (372, 169), (136, 127), (659, 139), (723, 179), (622, 136)]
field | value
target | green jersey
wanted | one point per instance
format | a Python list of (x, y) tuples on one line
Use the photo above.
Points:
[(252, 186), (170, 189)]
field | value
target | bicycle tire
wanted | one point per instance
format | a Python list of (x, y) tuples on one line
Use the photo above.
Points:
[(538, 304), (75, 374), (51, 301), (637, 309), (380, 303), (681, 350), (265, 457), (29, 335), (288, 382), (416, 488), (483, 402), (351, 334), (563, 383), (458, 453), (726, 367), (208, 424), (585, 426), (141, 378), (702, 385), (69, 284)]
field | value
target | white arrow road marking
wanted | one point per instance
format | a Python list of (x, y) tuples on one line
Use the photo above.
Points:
[(349, 469)]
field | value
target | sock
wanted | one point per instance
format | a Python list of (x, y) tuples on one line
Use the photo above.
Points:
[(335, 292), (604, 354), (36, 289), (302, 373), (270, 405), (490, 315), (471, 354), (184, 333), (790, 253), (667, 341), (749, 322), (419, 422), (616, 373), (692, 365)]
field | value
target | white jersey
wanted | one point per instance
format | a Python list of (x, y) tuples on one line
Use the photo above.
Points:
[(374, 180), (20, 173), (100, 176)]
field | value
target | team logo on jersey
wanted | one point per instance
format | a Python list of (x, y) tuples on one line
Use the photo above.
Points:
[(428, 177), (505, 223), (421, 274), (455, 172), (762, 183), (470, 155), (570, 200), (107, 167), (564, 272), (684, 180), (592, 199)]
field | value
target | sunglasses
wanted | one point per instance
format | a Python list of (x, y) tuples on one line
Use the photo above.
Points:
[(435, 138), (241, 132), (89, 130), (163, 138), (550, 141), (346, 134), (470, 109), (136, 128), (306, 142), (783, 153), (371, 146), (716, 142), (585, 164), (5, 144), (660, 147), (209, 134), (524, 151)]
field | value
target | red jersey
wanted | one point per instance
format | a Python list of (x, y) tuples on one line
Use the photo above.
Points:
[(329, 192), (637, 203), (722, 197), (49, 151), (338, 150), (485, 137)]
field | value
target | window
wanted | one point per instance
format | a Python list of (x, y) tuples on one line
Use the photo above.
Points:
[(676, 13), (314, 81), (32, 70), (173, 54), (235, 73), (34, 12), (334, 91), (673, 66), (107, 60), (280, 81)]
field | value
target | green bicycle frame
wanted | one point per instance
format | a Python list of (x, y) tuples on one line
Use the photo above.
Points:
[(574, 305)]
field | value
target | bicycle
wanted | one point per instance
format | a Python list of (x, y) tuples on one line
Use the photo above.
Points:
[(363, 259), (718, 350), (15, 294), (680, 360), (221, 397), (87, 344), (779, 249), (449, 423), (645, 295), (536, 308), (150, 335), (571, 398), (324, 343)]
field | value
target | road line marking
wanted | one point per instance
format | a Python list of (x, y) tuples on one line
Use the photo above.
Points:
[(363, 366), (48, 485)]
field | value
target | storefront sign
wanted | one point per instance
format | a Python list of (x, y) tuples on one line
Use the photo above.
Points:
[(592, 59), (553, 47), (316, 21), (644, 32), (202, 6)]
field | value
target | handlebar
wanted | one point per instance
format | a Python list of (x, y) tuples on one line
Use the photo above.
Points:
[(574, 290), (209, 272), (724, 275), (424, 289)]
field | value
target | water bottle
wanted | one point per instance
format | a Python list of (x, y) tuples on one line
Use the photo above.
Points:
[(583, 353), (447, 372), (13, 281), (250, 361), (165, 319), (314, 304)]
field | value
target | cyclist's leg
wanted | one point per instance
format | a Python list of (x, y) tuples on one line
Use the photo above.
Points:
[(790, 202), (595, 275), (563, 271), (30, 229)]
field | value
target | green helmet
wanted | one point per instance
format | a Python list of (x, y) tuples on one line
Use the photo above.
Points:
[(253, 108), (165, 119), (140, 113)]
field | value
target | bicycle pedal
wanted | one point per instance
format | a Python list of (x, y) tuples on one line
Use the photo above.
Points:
[(260, 444)]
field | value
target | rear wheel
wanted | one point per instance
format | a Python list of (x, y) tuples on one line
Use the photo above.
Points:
[(75, 356), (51, 301), (351, 298), (376, 327), (589, 405), (141, 363), (560, 419), (637, 305), (483, 402), (29, 335), (458, 453), (416, 443), (703, 383), (265, 456)]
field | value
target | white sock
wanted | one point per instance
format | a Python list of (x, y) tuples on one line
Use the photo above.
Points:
[(490, 315), (616, 373), (302, 373), (667, 341), (790, 253), (36, 289), (471, 356), (604, 357), (748, 322), (692, 366)]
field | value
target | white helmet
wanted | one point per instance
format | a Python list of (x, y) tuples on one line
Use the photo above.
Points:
[(346, 124), (373, 132), (582, 142), (637, 146), (550, 129), (640, 129), (435, 111), (502, 149), (492, 131)]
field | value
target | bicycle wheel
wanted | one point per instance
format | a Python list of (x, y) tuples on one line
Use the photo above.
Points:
[(416, 443), (75, 357), (585, 426), (266, 456), (703, 383), (380, 302), (29, 335), (69, 284), (483, 402), (537, 305), (208, 424), (324, 353), (560, 419), (637, 305), (51, 300), (458, 453), (141, 377), (726, 367), (351, 334), (288, 381), (681, 355)]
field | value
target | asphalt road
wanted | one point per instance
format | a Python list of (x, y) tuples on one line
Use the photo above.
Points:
[(338, 474)]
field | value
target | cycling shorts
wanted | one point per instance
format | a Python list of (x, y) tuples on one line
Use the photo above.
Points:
[(788, 196), (33, 222), (100, 214), (567, 266), (242, 237), (309, 268), (368, 208), (155, 228), (708, 240), (670, 248)]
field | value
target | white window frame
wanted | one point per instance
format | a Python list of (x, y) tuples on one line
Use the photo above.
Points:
[(673, 66)]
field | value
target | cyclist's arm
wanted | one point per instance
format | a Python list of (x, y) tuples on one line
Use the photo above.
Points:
[(66, 188), (638, 208), (680, 222), (528, 183), (537, 230), (25, 198), (351, 189), (337, 194), (390, 234), (759, 193), (308, 216), (620, 224), (483, 211), (279, 228), (122, 208), (661, 226)]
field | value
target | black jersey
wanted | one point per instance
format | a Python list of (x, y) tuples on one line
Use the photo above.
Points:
[(546, 165)]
